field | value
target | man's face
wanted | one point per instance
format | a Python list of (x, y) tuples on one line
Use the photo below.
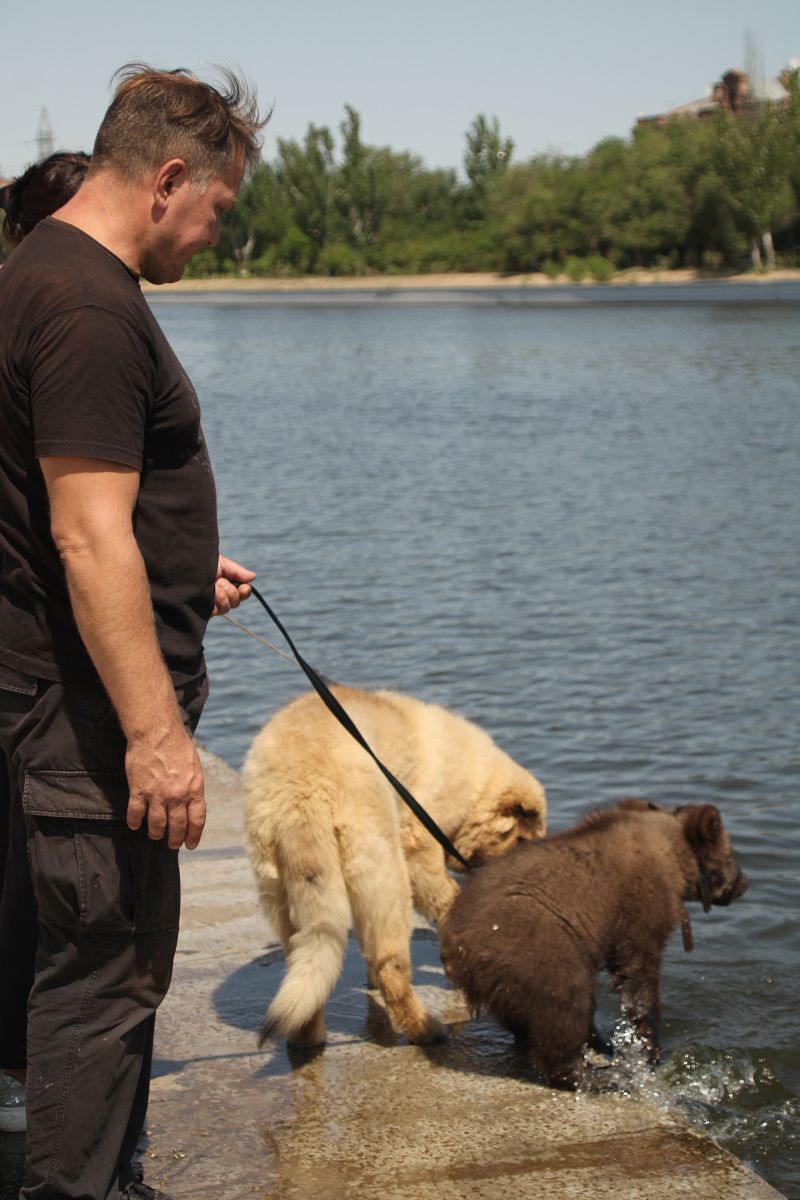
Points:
[(189, 223)]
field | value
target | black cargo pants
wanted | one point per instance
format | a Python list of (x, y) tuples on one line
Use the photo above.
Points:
[(88, 928)]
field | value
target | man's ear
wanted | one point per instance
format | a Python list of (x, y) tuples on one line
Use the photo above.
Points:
[(169, 177)]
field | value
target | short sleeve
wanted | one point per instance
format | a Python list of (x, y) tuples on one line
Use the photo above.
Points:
[(92, 382)]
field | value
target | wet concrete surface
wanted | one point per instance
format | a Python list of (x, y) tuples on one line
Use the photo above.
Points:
[(371, 1117)]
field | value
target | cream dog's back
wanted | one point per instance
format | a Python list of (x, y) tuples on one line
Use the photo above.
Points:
[(329, 838)]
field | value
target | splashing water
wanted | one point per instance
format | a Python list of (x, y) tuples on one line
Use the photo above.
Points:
[(736, 1098)]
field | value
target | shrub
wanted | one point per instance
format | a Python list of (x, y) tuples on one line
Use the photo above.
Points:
[(296, 251), (337, 258), (575, 269), (712, 260), (600, 268), (203, 265)]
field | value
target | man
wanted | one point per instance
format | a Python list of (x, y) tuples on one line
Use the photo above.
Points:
[(110, 573)]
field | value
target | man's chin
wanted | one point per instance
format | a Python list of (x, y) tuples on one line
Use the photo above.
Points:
[(160, 274), (163, 269)]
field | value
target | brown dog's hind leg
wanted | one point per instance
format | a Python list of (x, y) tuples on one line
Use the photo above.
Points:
[(559, 1035)]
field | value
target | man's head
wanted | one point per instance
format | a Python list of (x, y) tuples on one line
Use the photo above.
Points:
[(180, 146), (158, 115)]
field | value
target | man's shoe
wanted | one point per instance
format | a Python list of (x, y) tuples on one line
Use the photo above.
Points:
[(12, 1105), (140, 1191)]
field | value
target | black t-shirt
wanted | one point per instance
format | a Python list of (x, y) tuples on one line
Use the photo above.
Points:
[(85, 370)]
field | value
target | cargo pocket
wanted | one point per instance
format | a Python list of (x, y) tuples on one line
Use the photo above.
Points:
[(82, 875), (17, 682), (91, 873), (17, 696)]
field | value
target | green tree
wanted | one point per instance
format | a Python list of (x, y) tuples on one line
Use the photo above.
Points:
[(305, 174), (487, 152), (752, 160), (361, 180), (789, 134), (486, 156), (649, 218), (537, 212), (259, 221)]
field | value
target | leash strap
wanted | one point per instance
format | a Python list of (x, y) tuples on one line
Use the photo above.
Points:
[(330, 701)]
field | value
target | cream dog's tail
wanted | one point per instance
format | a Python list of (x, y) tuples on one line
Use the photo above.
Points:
[(308, 901)]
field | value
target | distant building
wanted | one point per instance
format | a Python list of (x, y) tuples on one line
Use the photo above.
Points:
[(735, 93)]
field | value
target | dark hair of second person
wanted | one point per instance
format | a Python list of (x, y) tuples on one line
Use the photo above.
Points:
[(39, 191)]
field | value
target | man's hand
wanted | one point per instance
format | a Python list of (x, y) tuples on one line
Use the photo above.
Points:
[(165, 781), (232, 586)]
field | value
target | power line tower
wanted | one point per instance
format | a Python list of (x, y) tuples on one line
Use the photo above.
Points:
[(45, 142)]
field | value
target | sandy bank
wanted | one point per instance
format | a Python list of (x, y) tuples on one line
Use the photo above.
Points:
[(478, 280)]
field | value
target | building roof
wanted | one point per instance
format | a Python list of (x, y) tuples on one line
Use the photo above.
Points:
[(731, 83)]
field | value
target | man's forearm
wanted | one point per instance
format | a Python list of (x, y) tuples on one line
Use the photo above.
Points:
[(113, 611), (114, 614)]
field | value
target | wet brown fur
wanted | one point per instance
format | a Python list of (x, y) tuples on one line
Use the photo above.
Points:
[(529, 932)]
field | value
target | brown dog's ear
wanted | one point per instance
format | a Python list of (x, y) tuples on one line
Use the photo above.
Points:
[(702, 824)]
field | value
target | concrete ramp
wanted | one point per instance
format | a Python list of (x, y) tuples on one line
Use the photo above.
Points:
[(372, 1118)]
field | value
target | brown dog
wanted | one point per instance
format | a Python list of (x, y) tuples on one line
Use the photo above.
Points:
[(529, 932)]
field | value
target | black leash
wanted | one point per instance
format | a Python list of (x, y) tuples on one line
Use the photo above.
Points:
[(328, 698)]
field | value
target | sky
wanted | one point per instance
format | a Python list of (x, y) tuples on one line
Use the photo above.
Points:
[(560, 75)]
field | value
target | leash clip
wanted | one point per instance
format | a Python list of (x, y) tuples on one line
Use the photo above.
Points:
[(686, 930)]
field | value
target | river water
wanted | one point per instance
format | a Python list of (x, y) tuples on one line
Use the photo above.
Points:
[(578, 526)]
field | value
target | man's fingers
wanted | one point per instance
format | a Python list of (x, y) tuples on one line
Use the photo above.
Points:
[(226, 593), (176, 829), (156, 819), (227, 596), (182, 823), (235, 597), (137, 808), (196, 814), (229, 569)]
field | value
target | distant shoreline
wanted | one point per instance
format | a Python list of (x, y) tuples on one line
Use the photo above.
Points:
[(482, 281)]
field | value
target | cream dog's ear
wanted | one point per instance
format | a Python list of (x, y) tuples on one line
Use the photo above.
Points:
[(518, 811), (518, 805)]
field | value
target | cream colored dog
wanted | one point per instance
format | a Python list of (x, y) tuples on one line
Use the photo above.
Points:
[(329, 838)]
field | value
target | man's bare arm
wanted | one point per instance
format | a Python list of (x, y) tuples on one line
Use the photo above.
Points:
[(91, 507)]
